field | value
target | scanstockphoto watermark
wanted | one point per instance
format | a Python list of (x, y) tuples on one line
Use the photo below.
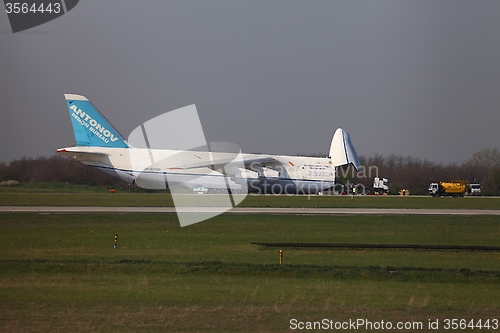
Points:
[(27, 14), (271, 187), (315, 179), (356, 325), (364, 172), (361, 324)]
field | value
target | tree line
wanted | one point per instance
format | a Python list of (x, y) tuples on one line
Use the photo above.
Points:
[(408, 172), (56, 169), (415, 174)]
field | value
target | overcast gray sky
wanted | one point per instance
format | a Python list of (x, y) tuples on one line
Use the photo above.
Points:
[(417, 78)]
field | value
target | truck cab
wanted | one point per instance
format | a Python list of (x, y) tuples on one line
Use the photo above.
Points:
[(380, 185), (475, 189), (434, 189)]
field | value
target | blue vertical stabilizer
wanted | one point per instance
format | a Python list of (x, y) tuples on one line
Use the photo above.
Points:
[(90, 127)]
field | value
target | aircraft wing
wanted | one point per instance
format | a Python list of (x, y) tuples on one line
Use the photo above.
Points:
[(220, 163), (261, 160)]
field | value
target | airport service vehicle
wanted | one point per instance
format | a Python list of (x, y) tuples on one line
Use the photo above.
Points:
[(100, 145), (475, 189), (456, 188), (380, 185)]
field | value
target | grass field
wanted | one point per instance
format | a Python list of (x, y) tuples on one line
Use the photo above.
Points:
[(62, 194), (165, 200), (60, 272)]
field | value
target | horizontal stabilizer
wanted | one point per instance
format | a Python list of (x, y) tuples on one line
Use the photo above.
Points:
[(85, 157), (78, 152), (342, 151)]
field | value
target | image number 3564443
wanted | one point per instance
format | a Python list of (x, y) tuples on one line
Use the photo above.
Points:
[(28, 14)]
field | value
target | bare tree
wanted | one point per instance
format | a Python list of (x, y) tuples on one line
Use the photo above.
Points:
[(55, 169), (481, 166)]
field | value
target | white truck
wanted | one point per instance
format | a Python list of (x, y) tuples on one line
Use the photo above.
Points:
[(475, 189), (380, 185)]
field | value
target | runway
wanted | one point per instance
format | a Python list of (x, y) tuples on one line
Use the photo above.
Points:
[(248, 210)]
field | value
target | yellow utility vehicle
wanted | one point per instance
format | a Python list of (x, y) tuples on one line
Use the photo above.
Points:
[(456, 188)]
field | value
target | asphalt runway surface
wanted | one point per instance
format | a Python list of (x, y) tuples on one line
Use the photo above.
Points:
[(248, 210)]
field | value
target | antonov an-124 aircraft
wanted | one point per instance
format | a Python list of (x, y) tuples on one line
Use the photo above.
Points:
[(152, 160)]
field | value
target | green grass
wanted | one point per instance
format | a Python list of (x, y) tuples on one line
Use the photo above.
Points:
[(53, 187), (87, 199), (59, 272), (125, 199)]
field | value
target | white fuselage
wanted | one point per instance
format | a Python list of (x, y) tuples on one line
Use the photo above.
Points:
[(281, 174)]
